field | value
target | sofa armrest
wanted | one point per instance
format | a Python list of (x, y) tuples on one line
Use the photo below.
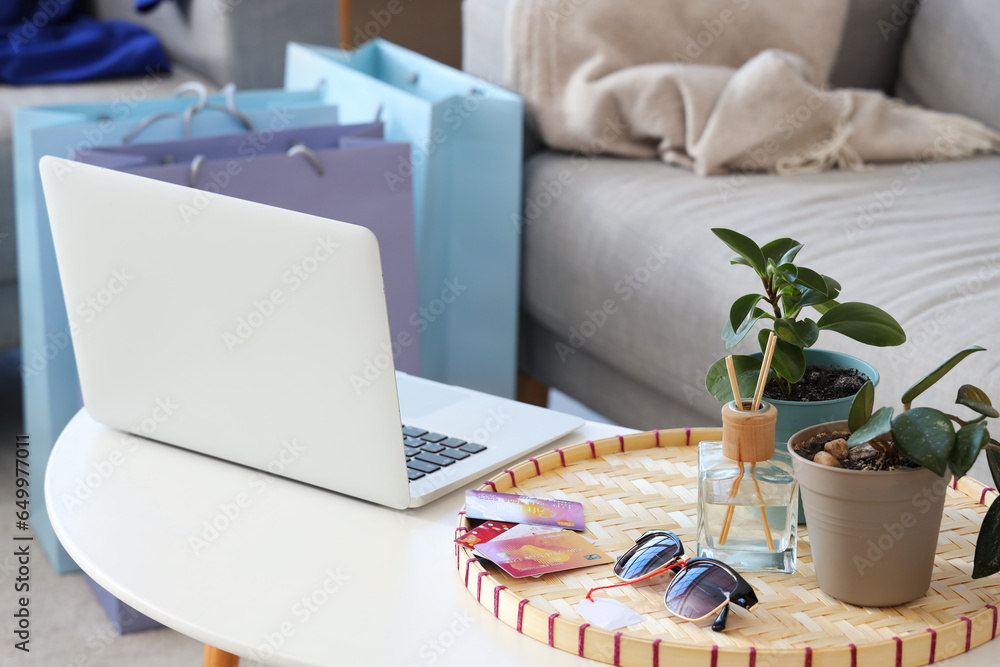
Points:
[(240, 41)]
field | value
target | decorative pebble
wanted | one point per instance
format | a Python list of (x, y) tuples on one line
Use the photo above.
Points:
[(838, 448), (861, 452), (826, 459)]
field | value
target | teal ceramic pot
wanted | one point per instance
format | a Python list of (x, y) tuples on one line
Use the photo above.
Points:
[(793, 416)]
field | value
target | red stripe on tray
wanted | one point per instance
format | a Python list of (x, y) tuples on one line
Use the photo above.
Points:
[(933, 654), (657, 434), (753, 657), (809, 656), (513, 480), (593, 449), (552, 620), (982, 496), (562, 457), (656, 652), (467, 561), (621, 443), (496, 600), (520, 612), (715, 656), (538, 471), (618, 649), (968, 633), (687, 436), (993, 635), (579, 643), (492, 485), (899, 651), (854, 655)]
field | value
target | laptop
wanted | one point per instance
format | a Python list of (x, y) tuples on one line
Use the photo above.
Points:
[(260, 336)]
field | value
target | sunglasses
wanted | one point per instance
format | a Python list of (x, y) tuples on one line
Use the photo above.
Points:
[(702, 587)]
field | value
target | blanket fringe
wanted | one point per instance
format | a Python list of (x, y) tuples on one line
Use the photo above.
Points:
[(827, 153)]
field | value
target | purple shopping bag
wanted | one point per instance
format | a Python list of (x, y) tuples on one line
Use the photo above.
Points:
[(335, 171)]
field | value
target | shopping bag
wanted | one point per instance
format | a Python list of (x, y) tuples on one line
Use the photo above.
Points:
[(466, 138), (48, 366), (331, 171)]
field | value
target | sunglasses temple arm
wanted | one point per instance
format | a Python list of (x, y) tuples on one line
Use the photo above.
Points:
[(627, 583)]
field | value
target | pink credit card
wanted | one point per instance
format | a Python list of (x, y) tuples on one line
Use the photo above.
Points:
[(523, 509), (538, 554)]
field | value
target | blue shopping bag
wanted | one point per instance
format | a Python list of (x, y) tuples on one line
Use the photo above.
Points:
[(466, 165), (48, 365)]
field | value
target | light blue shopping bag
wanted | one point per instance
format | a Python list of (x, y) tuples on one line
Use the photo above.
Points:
[(466, 164), (48, 365)]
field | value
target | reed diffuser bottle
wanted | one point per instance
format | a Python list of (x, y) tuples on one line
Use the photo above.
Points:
[(747, 494)]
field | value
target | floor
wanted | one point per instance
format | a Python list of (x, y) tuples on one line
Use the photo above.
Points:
[(68, 627)]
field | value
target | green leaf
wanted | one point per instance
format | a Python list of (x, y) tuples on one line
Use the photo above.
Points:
[(800, 334), (878, 425), (745, 248), (928, 380), (812, 297), (742, 308), (864, 323), (788, 272), (809, 279), (861, 407), (976, 399), (993, 459), (925, 435), (789, 361), (747, 371), (988, 544), (781, 251), (968, 442), (824, 308), (733, 337)]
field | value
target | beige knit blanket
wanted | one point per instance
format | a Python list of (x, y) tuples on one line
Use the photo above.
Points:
[(715, 86)]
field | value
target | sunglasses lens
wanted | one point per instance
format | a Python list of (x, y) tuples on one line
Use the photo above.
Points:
[(647, 557), (699, 589)]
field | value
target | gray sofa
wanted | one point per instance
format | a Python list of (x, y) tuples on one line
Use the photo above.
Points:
[(625, 290), (211, 41)]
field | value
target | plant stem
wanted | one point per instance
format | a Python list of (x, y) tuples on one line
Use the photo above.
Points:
[(960, 422), (772, 298)]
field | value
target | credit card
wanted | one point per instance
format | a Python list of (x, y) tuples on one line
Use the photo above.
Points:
[(524, 509)]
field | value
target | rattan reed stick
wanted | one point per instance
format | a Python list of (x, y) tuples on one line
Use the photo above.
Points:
[(763, 513), (737, 397), (765, 368)]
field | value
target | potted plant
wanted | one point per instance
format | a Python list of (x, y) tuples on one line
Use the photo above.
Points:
[(808, 386), (874, 488)]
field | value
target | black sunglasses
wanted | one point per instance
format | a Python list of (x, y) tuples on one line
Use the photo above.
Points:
[(702, 587)]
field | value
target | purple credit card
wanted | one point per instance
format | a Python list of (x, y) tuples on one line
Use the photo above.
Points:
[(523, 509)]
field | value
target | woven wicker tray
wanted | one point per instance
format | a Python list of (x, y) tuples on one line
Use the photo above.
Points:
[(628, 484)]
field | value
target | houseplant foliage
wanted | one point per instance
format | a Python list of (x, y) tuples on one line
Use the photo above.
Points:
[(788, 291), (938, 441)]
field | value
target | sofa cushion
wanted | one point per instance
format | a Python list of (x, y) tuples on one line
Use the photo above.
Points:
[(873, 40), (619, 262), (950, 59)]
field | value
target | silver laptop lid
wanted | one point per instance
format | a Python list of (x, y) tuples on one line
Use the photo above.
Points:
[(228, 327)]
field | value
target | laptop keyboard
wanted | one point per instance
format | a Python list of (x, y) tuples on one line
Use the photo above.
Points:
[(427, 452)]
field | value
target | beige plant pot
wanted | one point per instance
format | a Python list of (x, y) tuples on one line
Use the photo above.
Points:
[(873, 535)]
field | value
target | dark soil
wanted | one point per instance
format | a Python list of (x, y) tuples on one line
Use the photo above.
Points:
[(821, 384), (876, 461)]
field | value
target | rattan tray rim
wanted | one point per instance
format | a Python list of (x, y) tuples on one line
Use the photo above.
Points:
[(619, 648)]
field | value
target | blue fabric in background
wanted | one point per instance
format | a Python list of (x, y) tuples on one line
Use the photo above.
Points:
[(40, 12), (44, 44), (146, 5)]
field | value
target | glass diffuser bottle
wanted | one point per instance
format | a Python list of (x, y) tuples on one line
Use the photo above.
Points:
[(747, 494)]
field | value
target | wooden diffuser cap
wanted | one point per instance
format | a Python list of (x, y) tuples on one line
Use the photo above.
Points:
[(748, 436)]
